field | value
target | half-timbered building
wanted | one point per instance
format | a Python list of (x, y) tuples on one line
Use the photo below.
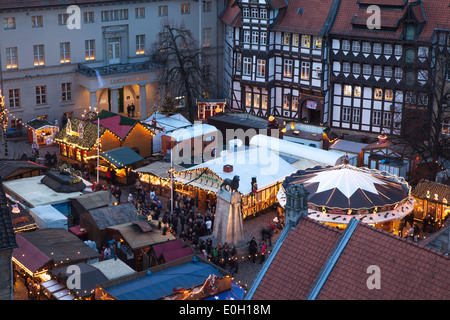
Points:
[(380, 64), (276, 58)]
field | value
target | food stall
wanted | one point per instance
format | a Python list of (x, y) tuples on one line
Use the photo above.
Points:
[(42, 132)]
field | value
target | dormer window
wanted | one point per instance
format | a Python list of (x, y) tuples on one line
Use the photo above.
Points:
[(410, 32)]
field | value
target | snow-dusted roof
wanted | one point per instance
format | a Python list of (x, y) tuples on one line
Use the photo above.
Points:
[(195, 130), (262, 163), (327, 157), (168, 123)]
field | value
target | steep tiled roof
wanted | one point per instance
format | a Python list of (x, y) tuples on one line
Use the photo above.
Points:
[(298, 262), (231, 12), (307, 17), (407, 271), (7, 237), (336, 265)]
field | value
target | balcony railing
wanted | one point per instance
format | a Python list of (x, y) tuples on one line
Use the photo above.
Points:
[(118, 68)]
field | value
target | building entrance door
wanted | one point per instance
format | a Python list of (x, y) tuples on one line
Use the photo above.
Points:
[(114, 50)]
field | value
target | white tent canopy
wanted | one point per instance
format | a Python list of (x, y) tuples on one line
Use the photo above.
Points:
[(48, 217), (292, 149), (265, 165), (113, 268)]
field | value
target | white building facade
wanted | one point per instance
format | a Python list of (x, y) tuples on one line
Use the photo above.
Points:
[(59, 60)]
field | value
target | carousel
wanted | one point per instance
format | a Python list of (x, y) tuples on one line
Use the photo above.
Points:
[(339, 193)]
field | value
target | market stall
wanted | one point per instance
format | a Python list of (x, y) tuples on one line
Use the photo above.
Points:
[(42, 132)]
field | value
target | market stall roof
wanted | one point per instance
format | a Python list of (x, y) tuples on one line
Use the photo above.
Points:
[(30, 256), (33, 193), (121, 157), (265, 165), (328, 157), (48, 217), (119, 125), (136, 238), (88, 139), (61, 245), (348, 187), (433, 191), (348, 146), (89, 278), (93, 200), (171, 250), (8, 167), (38, 124), (113, 268), (168, 123), (190, 132), (159, 169), (162, 283), (108, 216)]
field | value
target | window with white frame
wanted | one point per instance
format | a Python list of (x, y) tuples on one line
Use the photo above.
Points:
[(288, 67), (247, 66), (89, 50), (377, 71), (9, 23), (346, 45), (367, 69), (264, 102), (294, 103), (388, 72), (255, 37), (163, 11), (357, 92), (248, 99), (346, 67), (246, 36), (263, 38), (356, 115), (388, 95), (139, 13), (255, 13), (398, 50), (346, 114), (376, 118), (246, 13), (422, 52), (261, 68), (140, 44), (38, 53), (287, 102), (377, 48), (37, 22), (64, 52), (185, 8), (263, 13), (356, 68), (296, 39), (388, 49), (256, 100), (287, 38), (14, 98), (11, 58), (306, 41), (207, 6), (305, 70), (366, 47), (387, 119), (62, 19), (398, 73), (422, 75), (317, 42), (88, 17), (347, 90), (66, 91), (238, 61), (356, 46), (378, 94), (41, 95)]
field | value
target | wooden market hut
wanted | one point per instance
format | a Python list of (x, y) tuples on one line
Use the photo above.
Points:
[(156, 176), (82, 204), (97, 220), (123, 160), (136, 239), (432, 199), (41, 131), (18, 169)]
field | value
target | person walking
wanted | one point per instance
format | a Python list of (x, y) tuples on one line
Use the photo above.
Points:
[(263, 252), (253, 248), (118, 193)]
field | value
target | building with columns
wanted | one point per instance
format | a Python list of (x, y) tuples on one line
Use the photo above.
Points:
[(57, 60)]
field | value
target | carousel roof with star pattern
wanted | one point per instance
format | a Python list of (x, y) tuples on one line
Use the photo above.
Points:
[(347, 187)]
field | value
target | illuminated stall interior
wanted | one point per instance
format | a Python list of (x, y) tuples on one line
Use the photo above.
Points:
[(431, 199), (339, 193), (41, 131)]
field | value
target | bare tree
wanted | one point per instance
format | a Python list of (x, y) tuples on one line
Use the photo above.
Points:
[(186, 69), (428, 127)]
